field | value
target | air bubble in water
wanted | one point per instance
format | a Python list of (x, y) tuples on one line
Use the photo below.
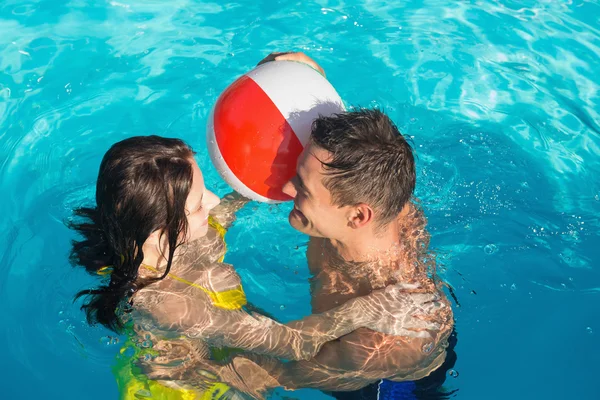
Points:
[(427, 348), (109, 340), (490, 249), (589, 330), (453, 373)]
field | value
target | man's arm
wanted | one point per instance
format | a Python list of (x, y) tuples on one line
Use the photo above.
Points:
[(364, 357), (395, 349)]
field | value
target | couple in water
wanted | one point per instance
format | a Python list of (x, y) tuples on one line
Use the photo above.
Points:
[(156, 235)]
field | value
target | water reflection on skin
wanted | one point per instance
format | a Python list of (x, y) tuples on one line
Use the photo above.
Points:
[(180, 323), (409, 321)]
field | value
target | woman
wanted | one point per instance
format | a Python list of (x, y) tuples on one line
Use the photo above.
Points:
[(152, 237)]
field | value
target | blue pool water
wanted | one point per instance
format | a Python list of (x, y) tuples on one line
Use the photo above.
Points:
[(502, 100)]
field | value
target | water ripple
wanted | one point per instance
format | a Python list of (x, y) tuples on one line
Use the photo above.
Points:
[(501, 100)]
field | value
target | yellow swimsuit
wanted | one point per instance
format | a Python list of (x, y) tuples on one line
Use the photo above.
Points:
[(135, 385)]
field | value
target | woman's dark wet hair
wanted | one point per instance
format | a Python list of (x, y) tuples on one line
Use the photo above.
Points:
[(142, 187)]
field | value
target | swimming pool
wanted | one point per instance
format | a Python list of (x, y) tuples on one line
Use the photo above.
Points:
[(502, 102)]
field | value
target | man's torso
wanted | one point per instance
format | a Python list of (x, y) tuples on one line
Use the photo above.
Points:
[(331, 286)]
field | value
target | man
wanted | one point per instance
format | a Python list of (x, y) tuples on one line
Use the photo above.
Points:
[(352, 196)]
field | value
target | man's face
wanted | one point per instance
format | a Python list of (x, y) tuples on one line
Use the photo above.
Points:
[(314, 213)]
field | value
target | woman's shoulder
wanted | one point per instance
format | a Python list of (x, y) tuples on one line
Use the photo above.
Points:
[(169, 309), (209, 248)]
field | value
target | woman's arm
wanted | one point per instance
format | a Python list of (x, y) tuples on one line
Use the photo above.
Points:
[(224, 213), (390, 311)]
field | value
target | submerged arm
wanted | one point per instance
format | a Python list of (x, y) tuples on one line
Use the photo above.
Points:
[(394, 347), (224, 213), (196, 316)]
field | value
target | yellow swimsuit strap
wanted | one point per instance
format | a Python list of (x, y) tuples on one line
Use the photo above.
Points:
[(220, 230), (232, 299), (215, 224)]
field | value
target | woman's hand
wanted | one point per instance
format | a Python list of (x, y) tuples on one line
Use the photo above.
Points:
[(231, 203)]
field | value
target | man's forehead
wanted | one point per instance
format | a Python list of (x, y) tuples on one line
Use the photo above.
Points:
[(312, 158)]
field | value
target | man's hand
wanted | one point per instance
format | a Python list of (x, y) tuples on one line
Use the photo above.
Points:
[(293, 56)]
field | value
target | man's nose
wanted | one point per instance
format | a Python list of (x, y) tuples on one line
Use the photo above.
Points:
[(290, 189)]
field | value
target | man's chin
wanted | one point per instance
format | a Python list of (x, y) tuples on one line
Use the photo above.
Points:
[(296, 222)]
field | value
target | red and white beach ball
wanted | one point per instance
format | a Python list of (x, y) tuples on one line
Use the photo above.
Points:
[(261, 123)]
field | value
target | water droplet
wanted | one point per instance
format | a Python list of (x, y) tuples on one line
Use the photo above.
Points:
[(143, 393), (453, 373), (105, 340), (589, 330), (427, 348), (490, 249)]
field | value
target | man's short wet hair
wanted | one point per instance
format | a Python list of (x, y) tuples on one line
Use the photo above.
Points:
[(371, 162)]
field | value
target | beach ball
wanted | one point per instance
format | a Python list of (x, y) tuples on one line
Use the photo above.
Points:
[(261, 123)]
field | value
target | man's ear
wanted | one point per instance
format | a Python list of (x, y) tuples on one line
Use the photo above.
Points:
[(360, 216)]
